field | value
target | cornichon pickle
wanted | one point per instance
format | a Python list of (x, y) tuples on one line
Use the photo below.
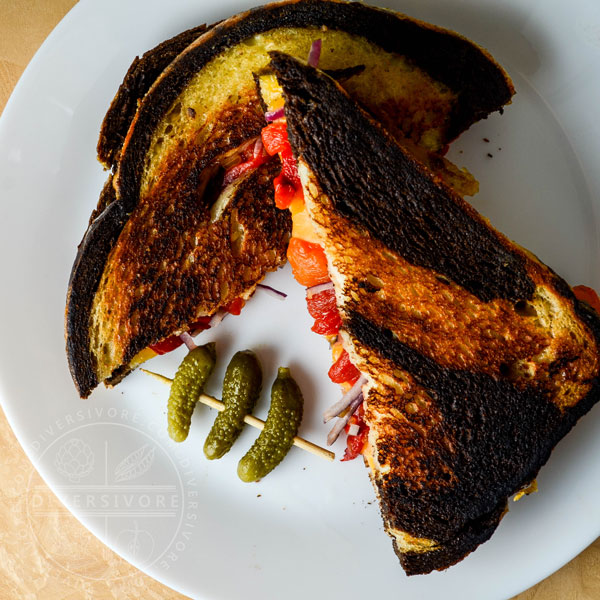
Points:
[(281, 426), (241, 388), (186, 388)]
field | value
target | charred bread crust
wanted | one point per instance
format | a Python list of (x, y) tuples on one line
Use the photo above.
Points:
[(495, 432), (253, 203), (140, 76), (83, 283), (481, 84), (476, 533), (107, 196), (466, 250), (503, 434)]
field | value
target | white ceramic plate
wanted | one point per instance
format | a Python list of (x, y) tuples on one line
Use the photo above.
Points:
[(312, 528)]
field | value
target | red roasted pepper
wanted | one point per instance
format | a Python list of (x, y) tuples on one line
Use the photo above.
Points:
[(355, 444), (274, 137), (289, 166), (287, 183), (343, 371), (200, 325), (285, 192), (308, 262), (323, 308), (321, 303), (174, 341), (235, 306), (329, 324), (237, 171), (168, 344), (587, 294)]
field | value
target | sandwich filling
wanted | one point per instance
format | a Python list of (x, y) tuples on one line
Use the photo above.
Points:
[(309, 263)]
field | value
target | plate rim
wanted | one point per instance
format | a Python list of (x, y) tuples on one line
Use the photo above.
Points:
[(10, 107)]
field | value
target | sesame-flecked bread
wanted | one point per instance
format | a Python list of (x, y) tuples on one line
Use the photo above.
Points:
[(478, 357), (151, 261)]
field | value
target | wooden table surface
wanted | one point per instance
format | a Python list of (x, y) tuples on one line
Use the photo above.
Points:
[(48, 562)]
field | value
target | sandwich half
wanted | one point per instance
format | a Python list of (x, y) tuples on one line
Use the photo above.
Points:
[(187, 225), (477, 358)]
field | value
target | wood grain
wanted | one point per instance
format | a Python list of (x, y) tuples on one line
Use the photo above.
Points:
[(58, 558)]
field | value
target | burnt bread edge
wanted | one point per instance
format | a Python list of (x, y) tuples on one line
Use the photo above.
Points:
[(85, 277), (107, 196), (478, 531), (442, 557), (362, 187), (86, 274), (140, 76), (390, 31), (522, 426)]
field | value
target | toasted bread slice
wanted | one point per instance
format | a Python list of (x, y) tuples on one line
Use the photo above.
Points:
[(478, 357), (204, 107)]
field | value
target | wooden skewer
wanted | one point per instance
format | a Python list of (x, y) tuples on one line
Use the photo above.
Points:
[(250, 420)]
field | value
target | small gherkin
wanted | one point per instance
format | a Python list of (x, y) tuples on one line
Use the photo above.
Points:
[(281, 426), (241, 389), (186, 388)]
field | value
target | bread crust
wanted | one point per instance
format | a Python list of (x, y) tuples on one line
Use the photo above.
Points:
[(438, 311), (140, 76), (97, 242)]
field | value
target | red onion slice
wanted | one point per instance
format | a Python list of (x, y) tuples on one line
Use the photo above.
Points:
[(317, 289), (341, 422), (315, 53), (272, 291), (234, 157), (273, 115), (346, 400), (217, 317), (258, 148), (231, 161), (186, 338)]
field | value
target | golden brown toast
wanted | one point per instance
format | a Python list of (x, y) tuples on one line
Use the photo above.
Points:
[(202, 109), (478, 357)]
